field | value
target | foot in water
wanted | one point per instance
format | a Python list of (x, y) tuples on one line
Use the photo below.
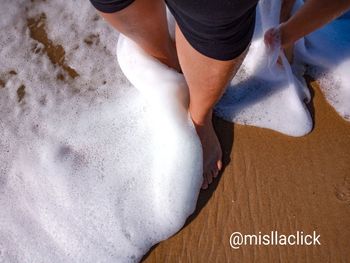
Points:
[(212, 153)]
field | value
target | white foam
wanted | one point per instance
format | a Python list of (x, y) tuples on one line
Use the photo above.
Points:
[(93, 170), (263, 93), (83, 179), (327, 52)]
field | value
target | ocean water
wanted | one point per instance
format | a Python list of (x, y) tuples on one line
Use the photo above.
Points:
[(265, 95), (97, 167)]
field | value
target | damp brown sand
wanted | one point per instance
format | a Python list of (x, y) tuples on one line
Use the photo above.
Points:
[(273, 182)]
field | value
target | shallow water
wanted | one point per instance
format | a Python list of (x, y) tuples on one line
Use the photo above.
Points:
[(91, 168)]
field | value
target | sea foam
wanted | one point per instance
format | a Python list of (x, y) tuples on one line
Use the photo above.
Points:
[(94, 170)]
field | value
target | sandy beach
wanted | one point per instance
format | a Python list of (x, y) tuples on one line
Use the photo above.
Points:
[(270, 182), (273, 183)]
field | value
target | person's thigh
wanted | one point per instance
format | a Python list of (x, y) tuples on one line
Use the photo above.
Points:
[(143, 21), (218, 29), (110, 6)]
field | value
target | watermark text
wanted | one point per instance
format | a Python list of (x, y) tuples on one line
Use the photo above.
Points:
[(274, 238)]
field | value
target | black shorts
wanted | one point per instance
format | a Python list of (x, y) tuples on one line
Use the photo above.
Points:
[(220, 29)]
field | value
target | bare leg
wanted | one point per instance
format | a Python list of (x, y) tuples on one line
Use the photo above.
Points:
[(207, 79), (145, 22)]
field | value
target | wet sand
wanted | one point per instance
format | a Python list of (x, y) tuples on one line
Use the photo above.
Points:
[(273, 183)]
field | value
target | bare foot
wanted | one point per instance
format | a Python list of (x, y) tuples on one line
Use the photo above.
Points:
[(212, 153)]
